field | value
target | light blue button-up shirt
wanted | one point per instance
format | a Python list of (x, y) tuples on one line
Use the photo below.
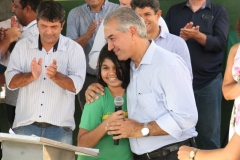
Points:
[(80, 18), (176, 45), (160, 90)]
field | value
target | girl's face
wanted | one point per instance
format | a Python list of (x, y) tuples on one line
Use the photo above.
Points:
[(108, 73)]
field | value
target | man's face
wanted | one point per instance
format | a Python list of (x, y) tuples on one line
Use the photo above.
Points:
[(125, 3), (150, 17), (120, 43), (94, 3), (49, 31), (19, 12)]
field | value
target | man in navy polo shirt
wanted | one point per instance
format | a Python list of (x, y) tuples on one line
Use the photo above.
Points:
[(204, 26)]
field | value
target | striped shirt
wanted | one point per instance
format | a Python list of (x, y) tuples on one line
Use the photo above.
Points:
[(78, 21), (27, 31), (43, 100), (160, 90), (176, 45)]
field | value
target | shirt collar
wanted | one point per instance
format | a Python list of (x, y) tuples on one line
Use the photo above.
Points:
[(59, 45), (148, 56), (162, 34), (207, 4), (29, 25), (103, 6)]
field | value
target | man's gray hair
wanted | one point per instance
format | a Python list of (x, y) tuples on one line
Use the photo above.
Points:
[(125, 18)]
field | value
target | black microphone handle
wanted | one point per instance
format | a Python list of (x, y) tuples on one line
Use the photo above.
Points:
[(116, 141)]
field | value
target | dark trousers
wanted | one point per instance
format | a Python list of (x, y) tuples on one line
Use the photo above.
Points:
[(171, 156), (160, 154), (208, 101), (10, 114)]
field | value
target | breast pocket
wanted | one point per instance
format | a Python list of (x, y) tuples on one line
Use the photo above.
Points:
[(152, 106)]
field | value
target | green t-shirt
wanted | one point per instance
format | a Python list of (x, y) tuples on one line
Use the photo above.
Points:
[(93, 115)]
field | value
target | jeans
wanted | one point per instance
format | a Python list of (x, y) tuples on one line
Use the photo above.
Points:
[(53, 132), (208, 100)]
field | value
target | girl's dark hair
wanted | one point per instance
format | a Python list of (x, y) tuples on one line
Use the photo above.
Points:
[(238, 27), (122, 67)]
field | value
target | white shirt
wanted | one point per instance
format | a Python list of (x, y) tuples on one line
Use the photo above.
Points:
[(100, 41), (43, 100), (160, 90)]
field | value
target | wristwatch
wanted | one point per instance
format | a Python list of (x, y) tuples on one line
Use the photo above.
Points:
[(192, 154), (145, 130)]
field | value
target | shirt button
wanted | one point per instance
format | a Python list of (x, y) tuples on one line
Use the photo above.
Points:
[(45, 66), (42, 91), (39, 116), (44, 78), (41, 104)]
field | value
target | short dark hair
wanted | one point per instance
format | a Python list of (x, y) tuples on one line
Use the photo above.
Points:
[(153, 4), (51, 11), (32, 3), (122, 67), (238, 27)]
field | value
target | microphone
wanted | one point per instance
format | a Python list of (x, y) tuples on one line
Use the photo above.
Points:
[(118, 101)]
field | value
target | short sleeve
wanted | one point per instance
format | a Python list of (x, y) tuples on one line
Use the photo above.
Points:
[(92, 115)]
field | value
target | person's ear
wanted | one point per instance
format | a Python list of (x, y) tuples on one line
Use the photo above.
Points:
[(28, 8), (158, 14), (62, 24), (133, 30)]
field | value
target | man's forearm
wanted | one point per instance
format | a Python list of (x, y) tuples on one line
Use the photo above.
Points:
[(155, 130), (201, 38), (64, 82), (4, 45), (21, 80), (82, 40)]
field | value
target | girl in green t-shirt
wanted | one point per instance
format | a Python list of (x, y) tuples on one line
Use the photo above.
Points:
[(114, 76)]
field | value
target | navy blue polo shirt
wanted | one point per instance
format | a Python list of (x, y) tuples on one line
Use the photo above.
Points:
[(213, 21)]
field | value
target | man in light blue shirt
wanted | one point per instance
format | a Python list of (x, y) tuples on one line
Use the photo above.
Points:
[(161, 107)]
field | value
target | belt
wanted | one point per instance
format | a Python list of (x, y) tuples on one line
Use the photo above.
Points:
[(42, 124), (45, 125), (164, 151)]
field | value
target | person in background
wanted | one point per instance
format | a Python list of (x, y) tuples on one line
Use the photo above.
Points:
[(231, 91), (49, 69), (11, 35), (82, 25), (25, 12), (114, 76), (204, 26)]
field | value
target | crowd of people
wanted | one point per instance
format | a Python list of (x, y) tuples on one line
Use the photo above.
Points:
[(168, 71)]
